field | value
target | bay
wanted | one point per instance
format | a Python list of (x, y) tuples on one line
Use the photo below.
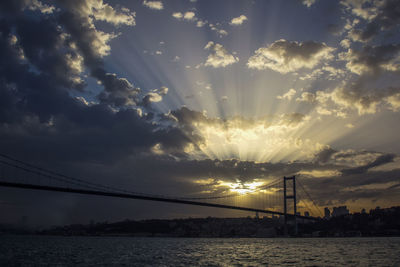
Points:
[(134, 251)]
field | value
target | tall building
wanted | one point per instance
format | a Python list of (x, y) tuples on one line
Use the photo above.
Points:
[(327, 213)]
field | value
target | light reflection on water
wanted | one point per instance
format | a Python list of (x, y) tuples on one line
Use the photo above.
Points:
[(107, 251)]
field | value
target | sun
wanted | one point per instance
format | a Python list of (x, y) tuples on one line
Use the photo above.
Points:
[(243, 188)]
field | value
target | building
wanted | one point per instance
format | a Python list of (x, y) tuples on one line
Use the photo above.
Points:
[(340, 211), (327, 213), (363, 211)]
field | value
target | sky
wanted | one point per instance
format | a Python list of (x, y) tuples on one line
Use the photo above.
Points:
[(200, 98)]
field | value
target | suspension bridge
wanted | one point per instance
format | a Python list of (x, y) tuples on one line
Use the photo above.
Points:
[(276, 198)]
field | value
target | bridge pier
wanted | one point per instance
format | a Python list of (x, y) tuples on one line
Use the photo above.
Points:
[(285, 198)]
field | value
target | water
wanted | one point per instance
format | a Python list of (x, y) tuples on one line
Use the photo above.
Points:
[(127, 251)]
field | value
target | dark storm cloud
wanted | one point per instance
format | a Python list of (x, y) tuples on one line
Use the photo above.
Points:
[(330, 189), (117, 91), (42, 123), (354, 187), (324, 155), (38, 112), (48, 50), (30, 92), (381, 160), (12, 7)]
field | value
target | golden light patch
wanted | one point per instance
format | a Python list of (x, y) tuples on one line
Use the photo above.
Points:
[(235, 187), (156, 149), (242, 188), (321, 173), (256, 141)]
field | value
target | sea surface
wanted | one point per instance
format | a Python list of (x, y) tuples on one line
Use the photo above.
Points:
[(134, 251)]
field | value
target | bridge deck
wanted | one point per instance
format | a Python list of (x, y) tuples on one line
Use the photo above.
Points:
[(142, 197)]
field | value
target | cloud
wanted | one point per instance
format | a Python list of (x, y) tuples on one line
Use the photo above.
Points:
[(325, 73), (188, 16), (163, 90), (176, 59), (262, 139), (21, 5), (362, 88), (288, 95), (104, 12), (381, 160), (77, 18), (44, 8), (219, 57), (285, 56), (238, 20), (351, 99), (379, 16), (204, 85), (366, 102), (307, 97), (155, 96), (177, 15), (345, 43), (360, 9), (394, 101), (118, 91), (82, 34), (308, 3), (372, 59), (320, 173), (215, 28), (200, 23), (324, 155), (50, 116), (156, 5), (348, 97)]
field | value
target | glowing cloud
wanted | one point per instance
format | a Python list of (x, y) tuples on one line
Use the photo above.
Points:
[(239, 20), (285, 56), (220, 56), (157, 5), (289, 95)]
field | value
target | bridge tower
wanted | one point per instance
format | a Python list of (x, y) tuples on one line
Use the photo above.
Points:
[(287, 196)]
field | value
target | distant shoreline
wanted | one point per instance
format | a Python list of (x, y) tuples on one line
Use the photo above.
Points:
[(376, 223)]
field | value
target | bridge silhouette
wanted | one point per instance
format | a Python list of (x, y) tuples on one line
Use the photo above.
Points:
[(19, 174)]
